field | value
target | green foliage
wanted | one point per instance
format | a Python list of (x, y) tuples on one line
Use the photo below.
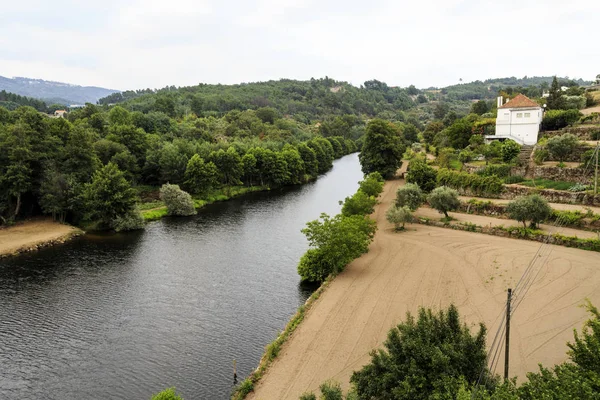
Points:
[(177, 201), (427, 358), (200, 176), (372, 185), (479, 185), (514, 179), (383, 149), (479, 107), (555, 100), (409, 195), (167, 394), (510, 150), (443, 199), (532, 208), (557, 119), (399, 215), (560, 147), (500, 170), (108, 196), (459, 133), (132, 220), (548, 184), (335, 242), (422, 175), (358, 204), (540, 155)]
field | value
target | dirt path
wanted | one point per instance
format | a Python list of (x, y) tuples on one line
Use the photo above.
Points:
[(29, 234), (432, 267), (554, 206), (483, 220)]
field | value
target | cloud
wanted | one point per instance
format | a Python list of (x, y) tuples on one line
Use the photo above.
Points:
[(135, 43)]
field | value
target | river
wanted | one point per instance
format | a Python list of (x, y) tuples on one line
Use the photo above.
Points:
[(127, 315)]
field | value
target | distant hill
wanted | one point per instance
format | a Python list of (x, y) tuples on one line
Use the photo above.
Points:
[(54, 92)]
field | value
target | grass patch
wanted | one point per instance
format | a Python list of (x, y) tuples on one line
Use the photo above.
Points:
[(150, 205), (455, 164), (153, 215), (548, 184)]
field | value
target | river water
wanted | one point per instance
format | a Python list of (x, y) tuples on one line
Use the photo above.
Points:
[(123, 316)]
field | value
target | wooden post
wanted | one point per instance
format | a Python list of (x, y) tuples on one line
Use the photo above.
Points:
[(234, 371), (596, 173), (507, 345)]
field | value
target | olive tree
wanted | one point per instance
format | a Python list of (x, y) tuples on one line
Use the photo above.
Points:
[(532, 208), (409, 195), (177, 201), (399, 215), (444, 199), (560, 147)]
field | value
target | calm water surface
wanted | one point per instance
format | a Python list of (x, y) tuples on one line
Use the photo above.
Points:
[(126, 315)]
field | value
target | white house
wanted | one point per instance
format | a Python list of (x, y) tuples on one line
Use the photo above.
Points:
[(518, 119)]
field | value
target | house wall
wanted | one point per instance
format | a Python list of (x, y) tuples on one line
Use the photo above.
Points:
[(515, 123)]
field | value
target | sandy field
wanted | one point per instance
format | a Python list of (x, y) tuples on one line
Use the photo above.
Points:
[(28, 234), (433, 267)]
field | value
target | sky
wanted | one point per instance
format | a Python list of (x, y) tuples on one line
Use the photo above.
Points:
[(134, 44)]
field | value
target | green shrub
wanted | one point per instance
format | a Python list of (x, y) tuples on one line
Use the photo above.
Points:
[(514, 179), (409, 195), (177, 201), (560, 147), (578, 187), (479, 185), (167, 394), (372, 185), (541, 154), (444, 199), (399, 216), (557, 119), (500, 170), (132, 220), (532, 208), (510, 149), (421, 174), (358, 204)]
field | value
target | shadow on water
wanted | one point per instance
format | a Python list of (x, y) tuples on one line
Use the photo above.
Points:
[(126, 315)]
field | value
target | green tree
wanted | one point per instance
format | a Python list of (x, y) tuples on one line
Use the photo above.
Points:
[(178, 202), (358, 204), (443, 199), (56, 194), (555, 100), (249, 168), (532, 208), (309, 158), (200, 177), (459, 133), (398, 215), (411, 133), (372, 185), (479, 107), (422, 175), (510, 149), (560, 147), (108, 196), (427, 358), (172, 164), (16, 167), (383, 149), (409, 195), (295, 165)]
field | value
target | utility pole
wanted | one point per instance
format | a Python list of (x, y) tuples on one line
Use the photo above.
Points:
[(507, 346), (596, 173)]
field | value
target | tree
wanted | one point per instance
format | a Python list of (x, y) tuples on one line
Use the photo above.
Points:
[(382, 150), (555, 100), (398, 215), (510, 149), (172, 164), (479, 107), (561, 147), (440, 111), (229, 165), (427, 358), (411, 133), (309, 158), (459, 133), (177, 201), (422, 175), (295, 165), (358, 204), (372, 185), (532, 208), (200, 177), (108, 196), (56, 194), (444, 199), (409, 195)]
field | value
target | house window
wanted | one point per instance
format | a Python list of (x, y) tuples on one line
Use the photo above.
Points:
[(519, 115), (527, 115)]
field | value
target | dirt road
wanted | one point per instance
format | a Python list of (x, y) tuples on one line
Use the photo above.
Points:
[(28, 234), (432, 267)]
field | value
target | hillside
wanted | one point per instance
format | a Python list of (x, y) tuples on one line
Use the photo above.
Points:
[(54, 92)]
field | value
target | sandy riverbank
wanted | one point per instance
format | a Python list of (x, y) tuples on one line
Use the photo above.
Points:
[(30, 235), (432, 267)]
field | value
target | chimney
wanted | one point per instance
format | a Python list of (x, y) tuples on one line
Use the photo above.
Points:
[(499, 102)]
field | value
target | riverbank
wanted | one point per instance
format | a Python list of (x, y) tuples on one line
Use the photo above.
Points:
[(34, 234), (433, 267)]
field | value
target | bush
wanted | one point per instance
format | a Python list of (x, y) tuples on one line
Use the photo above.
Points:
[(510, 149), (514, 179), (557, 119), (421, 174), (532, 208), (540, 155), (409, 195), (479, 185), (560, 147), (444, 199), (372, 185), (167, 394), (177, 201), (445, 157), (579, 187), (132, 220), (359, 204), (500, 170), (398, 215)]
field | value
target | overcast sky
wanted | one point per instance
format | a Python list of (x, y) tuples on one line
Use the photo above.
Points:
[(132, 44)]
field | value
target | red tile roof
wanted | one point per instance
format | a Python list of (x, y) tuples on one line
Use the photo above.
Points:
[(520, 101)]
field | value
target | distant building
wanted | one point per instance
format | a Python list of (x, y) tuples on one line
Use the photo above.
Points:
[(518, 119), (60, 113)]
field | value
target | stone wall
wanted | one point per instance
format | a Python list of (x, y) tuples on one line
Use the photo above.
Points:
[(575, 156), (583, 132), (553, 196), (578, 175)]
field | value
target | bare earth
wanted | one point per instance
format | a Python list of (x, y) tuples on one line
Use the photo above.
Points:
[(31, 233), (433, 267)]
